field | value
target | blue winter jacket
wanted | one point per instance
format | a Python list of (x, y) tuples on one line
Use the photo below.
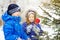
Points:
[(32, 33), (12, 29)]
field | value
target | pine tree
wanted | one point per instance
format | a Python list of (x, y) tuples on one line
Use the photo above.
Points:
[(53, 12)]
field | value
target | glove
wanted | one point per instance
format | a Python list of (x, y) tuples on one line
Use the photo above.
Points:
[(28, 39), (29, 27), (19, 38)]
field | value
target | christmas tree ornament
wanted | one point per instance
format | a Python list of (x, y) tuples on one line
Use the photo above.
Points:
[(37, 21)]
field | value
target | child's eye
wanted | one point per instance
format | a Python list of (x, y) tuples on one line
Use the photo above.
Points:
[(29, 17), (32, 16)]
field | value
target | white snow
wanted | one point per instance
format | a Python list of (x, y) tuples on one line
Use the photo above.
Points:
[(34, 5), (1, 34)]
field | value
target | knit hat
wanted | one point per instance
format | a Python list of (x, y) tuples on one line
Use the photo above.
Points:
[(12, 8)]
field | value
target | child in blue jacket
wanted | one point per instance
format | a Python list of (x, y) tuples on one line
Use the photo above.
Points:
[(32, 28), (12, 27)]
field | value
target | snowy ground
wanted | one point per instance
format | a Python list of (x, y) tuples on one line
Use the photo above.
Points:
[(1, 34), (45, 28)]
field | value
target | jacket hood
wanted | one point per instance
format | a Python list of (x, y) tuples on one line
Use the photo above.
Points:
[(7, 17)]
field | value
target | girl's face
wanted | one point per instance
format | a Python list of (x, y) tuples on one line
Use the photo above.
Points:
[(31, 16)]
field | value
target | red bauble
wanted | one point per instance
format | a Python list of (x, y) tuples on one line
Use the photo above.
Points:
[(37, 21)]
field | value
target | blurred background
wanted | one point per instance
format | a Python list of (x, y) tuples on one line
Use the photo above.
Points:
[(48, 11)]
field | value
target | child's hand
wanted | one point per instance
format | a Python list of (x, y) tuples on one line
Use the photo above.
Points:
[(29, 39), (19, 38), (29, 27)]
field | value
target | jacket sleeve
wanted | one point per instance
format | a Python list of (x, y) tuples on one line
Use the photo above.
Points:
[(24, 26), (21, 32), (41, 31), (8, 32)]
